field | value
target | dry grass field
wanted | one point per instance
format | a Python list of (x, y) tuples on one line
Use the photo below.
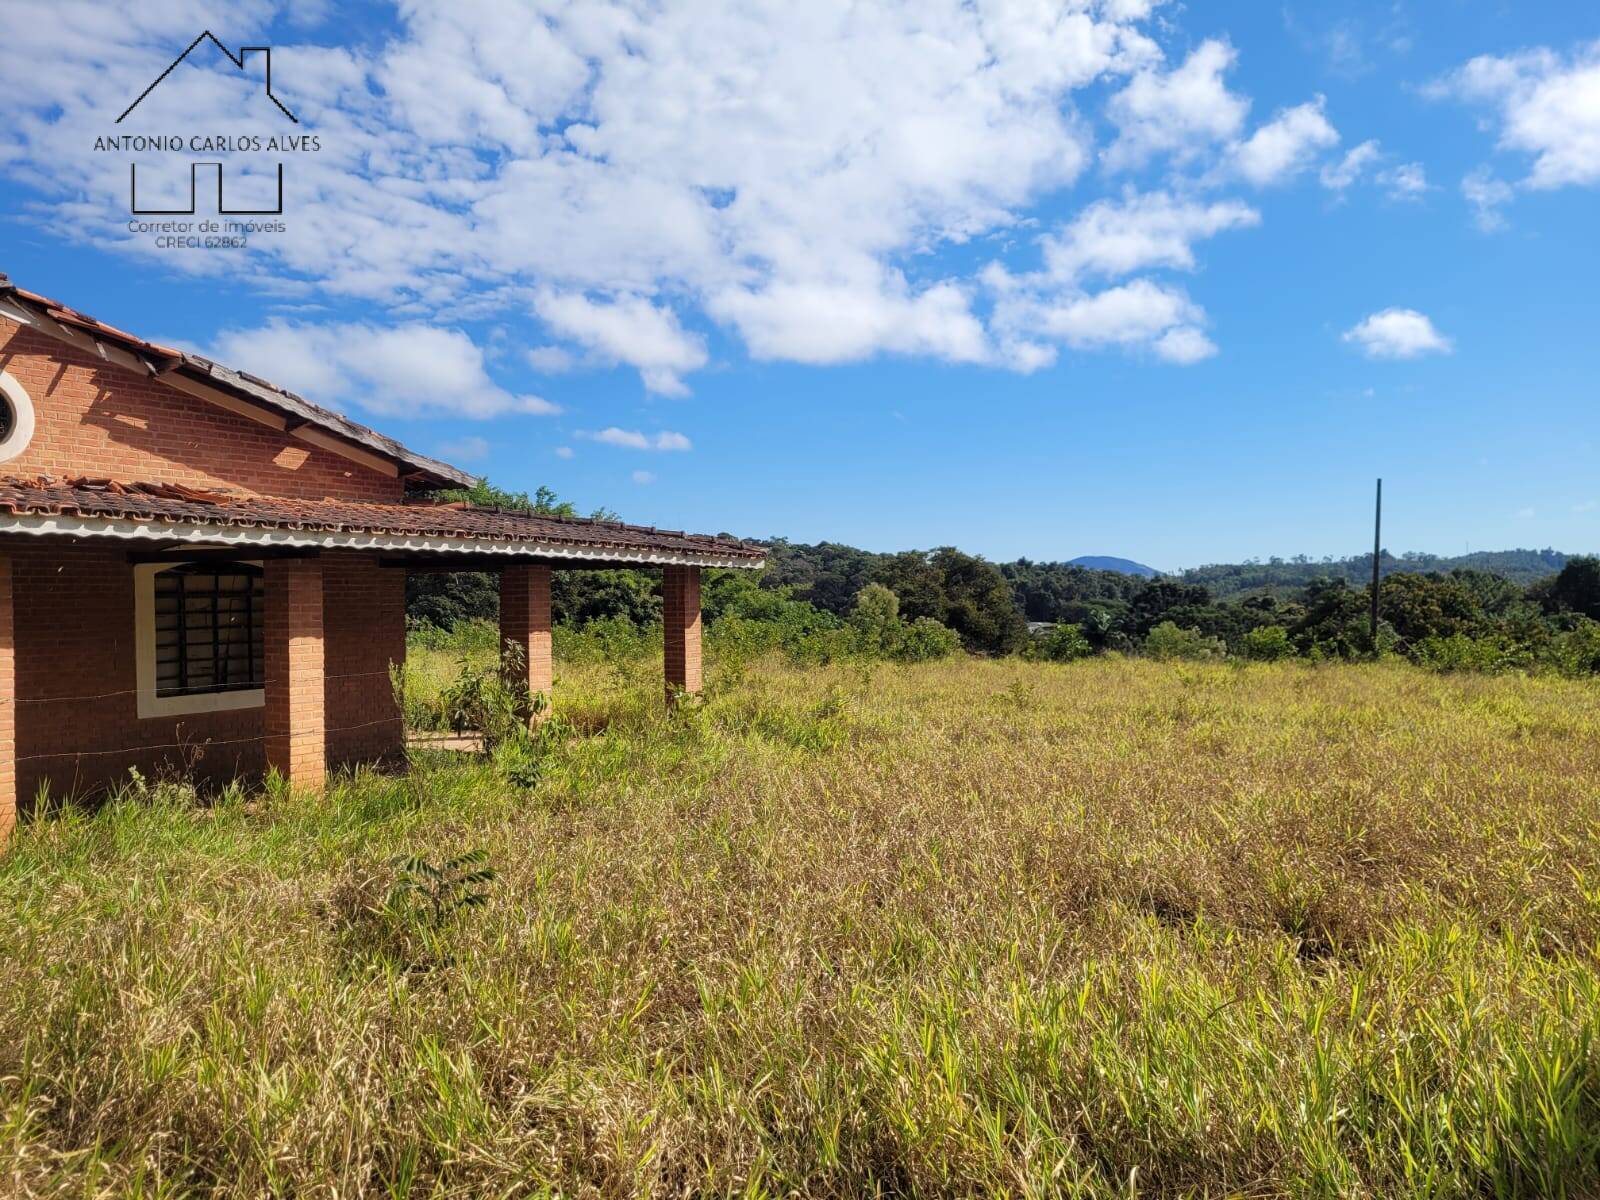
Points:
[(1111, 929)]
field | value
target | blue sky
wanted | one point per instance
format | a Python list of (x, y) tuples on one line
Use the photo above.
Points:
[(1169, 281)]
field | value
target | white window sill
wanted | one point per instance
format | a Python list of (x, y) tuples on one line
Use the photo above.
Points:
[(179, 706)]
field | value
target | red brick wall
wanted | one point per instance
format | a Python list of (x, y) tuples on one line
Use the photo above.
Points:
[(8, 706), (75, 710), (98, 419), (365, 625), (73, 612), (74, 669)]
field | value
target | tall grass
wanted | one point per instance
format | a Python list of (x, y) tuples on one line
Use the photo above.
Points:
[(1106, 929)]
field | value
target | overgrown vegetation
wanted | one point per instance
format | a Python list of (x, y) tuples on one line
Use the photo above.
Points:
[(968, 927)]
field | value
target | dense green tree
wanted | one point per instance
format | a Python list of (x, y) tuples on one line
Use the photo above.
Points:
[(1044, 590), (1171, 641), (827, 574), (1063, 643), (915, 581), (1268, 643), (876, 616), (978, 603), (1336, 622), (444, 599), (1163, 599), (1423, 606), (966, 593), (583, 596), (1576, 589)]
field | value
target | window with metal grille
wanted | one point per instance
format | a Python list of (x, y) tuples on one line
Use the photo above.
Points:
[(208, 629)]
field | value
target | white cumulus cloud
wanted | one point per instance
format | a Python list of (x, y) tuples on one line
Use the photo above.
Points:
[(1286, 145), (844, 317), (1140, 313), (1486, 196), (1179, 112), (636, 183), (633, 439), (1156, 229), (409, 370), (1548, 104), (1035, 313), (627, 329), (1397, 333), (1405, 181), (1340, 175)]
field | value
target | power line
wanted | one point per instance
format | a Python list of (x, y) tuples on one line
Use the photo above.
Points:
[(260, 737), (131, 691)]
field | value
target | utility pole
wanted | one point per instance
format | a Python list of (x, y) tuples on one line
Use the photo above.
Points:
[(1377, 549)]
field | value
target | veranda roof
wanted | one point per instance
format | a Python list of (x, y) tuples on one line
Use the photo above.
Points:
[(176, 516)]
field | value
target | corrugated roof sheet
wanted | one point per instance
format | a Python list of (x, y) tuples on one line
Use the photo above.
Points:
[(118, 501)]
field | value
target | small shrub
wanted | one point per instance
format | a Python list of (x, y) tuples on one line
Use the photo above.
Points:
[(1167, 641), (168, 787), (876, 617), (924, 640), (437, 892), (520, 758), (1460, 652), (399, 912), (492, 699), (1268, 643), (1064, 643), (1576, 652)]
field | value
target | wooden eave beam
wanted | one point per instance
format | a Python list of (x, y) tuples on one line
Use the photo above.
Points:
[(215, 395), (327, 441), (243, 553)]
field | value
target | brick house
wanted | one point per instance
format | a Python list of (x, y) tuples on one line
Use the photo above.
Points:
[(195, 563)]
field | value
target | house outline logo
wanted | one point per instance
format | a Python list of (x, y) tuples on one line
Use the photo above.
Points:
[(238, 61)]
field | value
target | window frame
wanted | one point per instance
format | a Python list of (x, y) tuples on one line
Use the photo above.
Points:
[(22, 423), (150, 703)]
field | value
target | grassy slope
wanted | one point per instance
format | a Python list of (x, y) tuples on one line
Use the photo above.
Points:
[(968, 927)]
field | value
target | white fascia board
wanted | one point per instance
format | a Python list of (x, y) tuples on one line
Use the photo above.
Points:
[(230, 536)]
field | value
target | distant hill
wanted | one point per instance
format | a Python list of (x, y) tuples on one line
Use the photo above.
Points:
[(1229, 580), (1106, 562)]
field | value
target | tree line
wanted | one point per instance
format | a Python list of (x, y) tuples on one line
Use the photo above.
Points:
[(829, 597)]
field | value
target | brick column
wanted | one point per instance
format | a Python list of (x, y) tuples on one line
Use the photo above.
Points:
[(525, 624), (8, 704), (680, 614), (295, 724)]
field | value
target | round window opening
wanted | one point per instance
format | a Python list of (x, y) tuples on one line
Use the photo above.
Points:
[(16, 418)]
